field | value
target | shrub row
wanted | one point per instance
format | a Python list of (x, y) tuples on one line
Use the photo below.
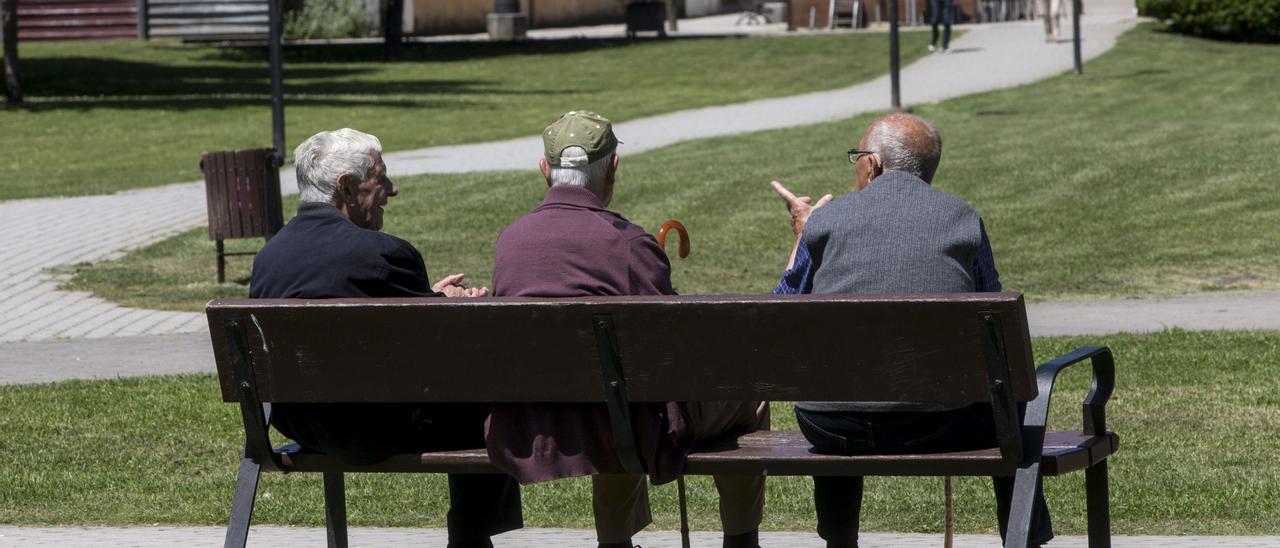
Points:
[(1244, 20), (326, 19)]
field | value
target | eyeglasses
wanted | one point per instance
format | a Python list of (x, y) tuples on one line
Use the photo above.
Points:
[(856, 154)]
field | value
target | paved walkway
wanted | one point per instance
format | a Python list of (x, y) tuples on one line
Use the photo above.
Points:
[(48, 233), (282, 537)]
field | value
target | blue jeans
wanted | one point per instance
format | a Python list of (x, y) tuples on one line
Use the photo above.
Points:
[(940, 11), (839, 498)]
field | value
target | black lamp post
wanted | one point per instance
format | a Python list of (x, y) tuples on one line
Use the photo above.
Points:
[(893, 54), (276, 57), (1075, 27)]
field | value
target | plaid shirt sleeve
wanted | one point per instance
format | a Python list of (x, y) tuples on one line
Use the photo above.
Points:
[(985, 276), (799, 278)]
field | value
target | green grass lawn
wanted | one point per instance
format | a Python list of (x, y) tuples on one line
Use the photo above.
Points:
[(1143, 179), (1198, 414), (107, 116)]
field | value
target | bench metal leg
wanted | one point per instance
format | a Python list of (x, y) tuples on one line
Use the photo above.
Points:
[(1022, 506), (222, 261), (242, 504), (1099, 505), (335, 509)]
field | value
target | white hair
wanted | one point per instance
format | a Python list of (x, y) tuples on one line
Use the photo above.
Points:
[(900, 152), (326, 156), (590, 176)]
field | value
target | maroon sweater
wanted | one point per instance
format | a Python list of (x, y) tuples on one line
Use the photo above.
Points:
[(571, 246)]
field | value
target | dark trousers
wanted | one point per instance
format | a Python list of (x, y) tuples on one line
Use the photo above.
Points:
[(480, 505), (839, 498), (940, 11)]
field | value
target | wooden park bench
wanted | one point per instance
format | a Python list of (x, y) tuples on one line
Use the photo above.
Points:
[(615, 350)]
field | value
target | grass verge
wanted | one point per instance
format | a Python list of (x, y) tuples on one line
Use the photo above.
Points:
[(108, 116), (1142, 179), (1198, 414)]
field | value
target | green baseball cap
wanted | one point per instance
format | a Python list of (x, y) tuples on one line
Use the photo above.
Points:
[(582, 128)]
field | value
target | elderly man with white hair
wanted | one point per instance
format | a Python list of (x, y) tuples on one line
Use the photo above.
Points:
[(334, 248)]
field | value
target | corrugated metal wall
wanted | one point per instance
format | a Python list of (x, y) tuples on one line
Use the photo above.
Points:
[(77, 19)]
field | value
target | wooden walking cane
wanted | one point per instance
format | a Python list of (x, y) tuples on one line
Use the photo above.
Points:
[(684, 236), (684, 253), (684, 511)]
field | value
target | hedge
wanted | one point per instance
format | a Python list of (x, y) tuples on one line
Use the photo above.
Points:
[(1243, 20)]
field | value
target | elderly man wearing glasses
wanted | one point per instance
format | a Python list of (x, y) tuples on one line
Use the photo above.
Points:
[(895, 233)]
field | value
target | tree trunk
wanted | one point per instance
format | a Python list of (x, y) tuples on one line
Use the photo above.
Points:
[(9, 35)]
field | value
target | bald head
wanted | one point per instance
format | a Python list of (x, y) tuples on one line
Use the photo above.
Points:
[(905, 143)]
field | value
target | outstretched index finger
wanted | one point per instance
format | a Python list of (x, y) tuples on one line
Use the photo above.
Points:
[(783, 192)]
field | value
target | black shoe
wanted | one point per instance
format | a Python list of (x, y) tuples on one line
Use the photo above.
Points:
[(749, 539)]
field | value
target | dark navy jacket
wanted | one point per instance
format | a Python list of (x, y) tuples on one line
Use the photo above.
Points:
[(320, 254)]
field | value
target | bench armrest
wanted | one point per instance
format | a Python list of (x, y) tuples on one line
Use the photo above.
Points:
[(1094, 405)]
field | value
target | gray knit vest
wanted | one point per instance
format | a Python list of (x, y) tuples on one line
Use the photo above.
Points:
[(898, 235)]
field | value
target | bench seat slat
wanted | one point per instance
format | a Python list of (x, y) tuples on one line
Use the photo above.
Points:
[(779, 452)]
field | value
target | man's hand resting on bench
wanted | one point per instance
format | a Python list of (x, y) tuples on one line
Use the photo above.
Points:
[(451, 286)]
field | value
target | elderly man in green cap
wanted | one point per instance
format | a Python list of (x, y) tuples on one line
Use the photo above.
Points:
[(572, 246)]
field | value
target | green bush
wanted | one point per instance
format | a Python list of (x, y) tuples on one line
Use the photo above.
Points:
[(1244, 20), (327, 19)]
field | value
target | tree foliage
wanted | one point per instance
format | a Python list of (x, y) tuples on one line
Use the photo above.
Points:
[(1242, 20)]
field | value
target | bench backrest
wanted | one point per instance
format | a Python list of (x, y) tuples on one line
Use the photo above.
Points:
[(937, 347)]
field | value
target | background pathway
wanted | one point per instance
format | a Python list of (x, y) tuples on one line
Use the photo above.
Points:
[(48, 233)]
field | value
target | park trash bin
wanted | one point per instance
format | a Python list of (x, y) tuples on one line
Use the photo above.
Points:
[(646, 16), (242, 190)]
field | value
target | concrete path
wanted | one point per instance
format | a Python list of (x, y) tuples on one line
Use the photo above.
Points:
[(48, 233), (1198, 312), (282, 537)]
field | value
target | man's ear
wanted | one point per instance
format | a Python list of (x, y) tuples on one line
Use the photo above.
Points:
[(876, 167), (545, 168), (345, 191), (613, 168)]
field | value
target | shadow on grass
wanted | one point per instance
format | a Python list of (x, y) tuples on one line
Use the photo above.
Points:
[(86, 82), (1132, 75), (440, 52)]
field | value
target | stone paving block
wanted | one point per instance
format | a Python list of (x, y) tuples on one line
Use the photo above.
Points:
[(103, 314)]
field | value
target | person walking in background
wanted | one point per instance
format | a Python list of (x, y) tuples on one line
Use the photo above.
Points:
[(940, 11), (1052, 19)]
